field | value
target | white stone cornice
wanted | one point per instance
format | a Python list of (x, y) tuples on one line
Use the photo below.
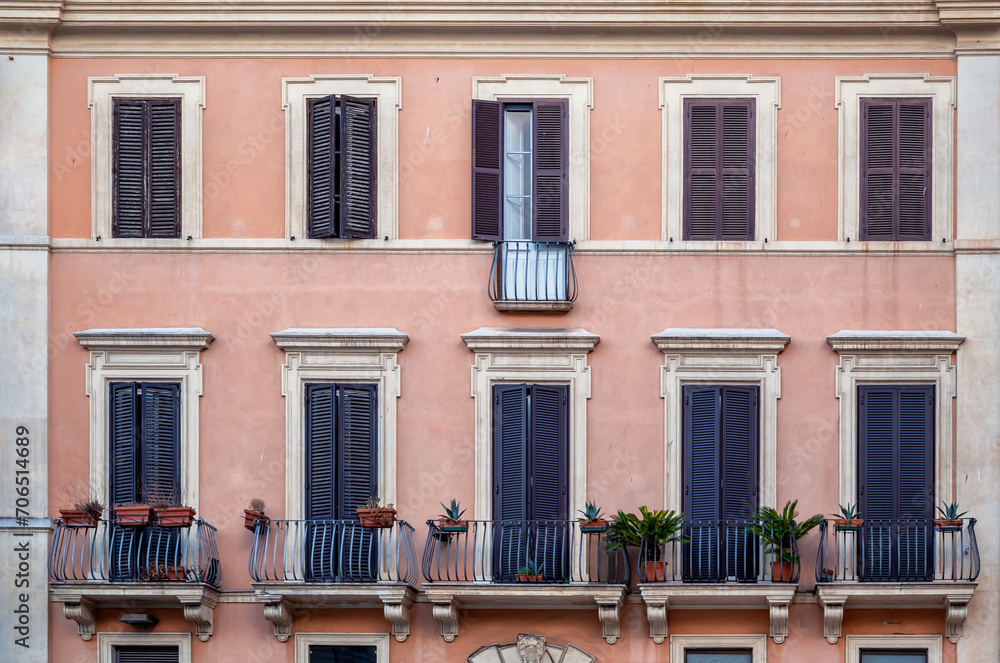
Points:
[(746, 340), (161, 338), (924, 342), (376, 339), (487, 339)]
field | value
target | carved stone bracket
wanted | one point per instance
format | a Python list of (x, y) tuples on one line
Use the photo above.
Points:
[(608, 613), (201, 613), (778, 607), (447, 614), (656, 613), (833, 618), (397, 611), (957, 611), (81, 612), (281, 615)]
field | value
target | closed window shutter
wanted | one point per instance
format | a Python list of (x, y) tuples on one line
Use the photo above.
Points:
[(124, 451), (702, 468), (487, 151), (719, 169), (358, 170), (358, 461), (549, 480), (161, 440), (128, 185), (320, 432), (739, 479), (322, 168), (896, 169), (550, 169), (147, 654), (510, 476), (164, 168)]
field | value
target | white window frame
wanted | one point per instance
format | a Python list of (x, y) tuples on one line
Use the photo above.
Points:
[(108, 642), (932, 643), (295, 95), (767, 94), (101, 95), (357, 356), (145, 355), (896, 358), (580, 93), (941, 90), (720, 357), (757, 644), (511, 356), (378, 640)]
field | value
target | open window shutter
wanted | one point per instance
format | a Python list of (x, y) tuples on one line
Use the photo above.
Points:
[(161, 440), (320, 548), (164, 167), (739, 479), (915, 493), (510, 475), (549, 481), (551, 172), (877, 169), (358, 169), (128, 186), (737, 195), (146, 654), (321, 166), (701, 468), (914, 169), (487, 152), (701, 189)]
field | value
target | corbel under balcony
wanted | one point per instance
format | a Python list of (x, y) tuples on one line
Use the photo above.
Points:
[(661, 597), (448, 598), (82, 600), (954, 597), (280, 601)]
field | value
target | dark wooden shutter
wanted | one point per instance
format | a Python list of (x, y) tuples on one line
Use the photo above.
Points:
[(124, 440), (719, 169), (128, 178), (320, 545), (161, 440), (550, 170), (321, 167), (896, 161), (739, 479), (548, 481), (896, 480), (510, 476), (358, 459), (164, 167), (702, 461), (487, 153), (358, 169), (146, 654)]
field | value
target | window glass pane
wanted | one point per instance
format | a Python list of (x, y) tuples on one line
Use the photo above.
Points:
[(893, 657), (718, 656), (341, 654), (517, 174)]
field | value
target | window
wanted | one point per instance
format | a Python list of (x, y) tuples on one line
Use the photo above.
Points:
[(342, 164), (342, 181), (719, 169), (341, 648), (720, 481), (889, 656), (147, 179), (531, 491), (896, 136), (896, 481), (342, 654), (128, 654), (143, 647), (894, 649), (145, 441), (718, 648), (718, 656)]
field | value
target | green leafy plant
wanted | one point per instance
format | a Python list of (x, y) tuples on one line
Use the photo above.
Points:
[(778, 529), (452, 513), (849, 512), (648, 530), (531, 568), (591, 512), (950, 511)]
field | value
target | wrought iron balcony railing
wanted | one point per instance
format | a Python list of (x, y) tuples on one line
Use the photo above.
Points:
[(526, 551), (719, 551), (902, 550), (332, 551), (112, 553), (525, 271)]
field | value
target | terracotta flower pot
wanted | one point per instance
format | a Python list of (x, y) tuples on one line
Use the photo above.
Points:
[(781, 571), (174, 516), (78, 518), (453, 526), (593, 526), (656, 571), (843, 525), (529, 577), (380, 517), (949, 525), (249, 516), (139, 515)]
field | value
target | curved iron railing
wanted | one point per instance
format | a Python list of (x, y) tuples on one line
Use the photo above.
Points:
[(111, 553), (332, 551), (533, 272), (719, 551), (509, 551), (898, 550)]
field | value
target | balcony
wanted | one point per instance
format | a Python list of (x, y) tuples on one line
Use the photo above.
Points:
[(332, 564), (110, 566), (722, 565), (527, 564), (533, 276), (908, 563)]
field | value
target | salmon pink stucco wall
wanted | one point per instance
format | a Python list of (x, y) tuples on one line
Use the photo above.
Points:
[(244, 158)]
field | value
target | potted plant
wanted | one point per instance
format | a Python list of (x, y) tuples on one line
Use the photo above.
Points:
[(848, 520), (649, 531), (85, 513), (530, 572), (778, 531), (254, 513), (373, 515), (592, 520), (166, 509), (133, 514), (951, 519), (451, 521)]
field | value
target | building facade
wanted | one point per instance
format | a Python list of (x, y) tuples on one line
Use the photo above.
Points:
[(707, 259)]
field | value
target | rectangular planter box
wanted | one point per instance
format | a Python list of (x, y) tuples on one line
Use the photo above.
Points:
[(175, 516), (380, 518), (77, 518), (133, 516)]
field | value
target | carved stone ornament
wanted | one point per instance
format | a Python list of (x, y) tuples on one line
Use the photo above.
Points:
[(530, 648)]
